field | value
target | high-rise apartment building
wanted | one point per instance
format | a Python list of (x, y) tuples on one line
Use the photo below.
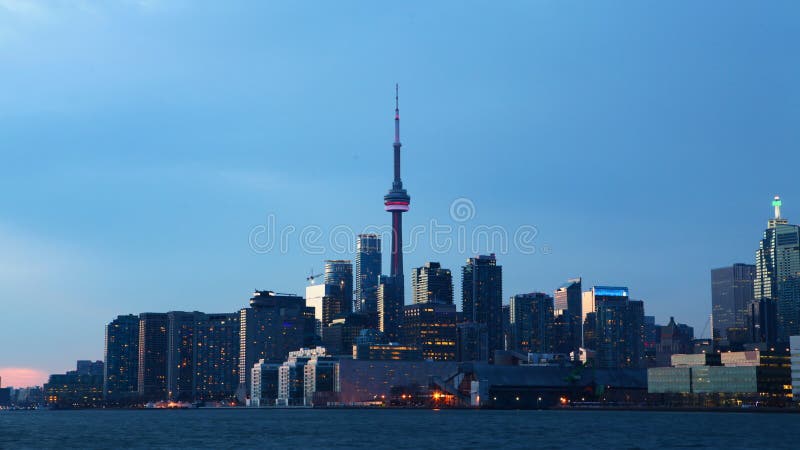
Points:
[(153, 346), (270, 328), (339, 272), (532, 322), (368, 273), (121, 377), (482, 297), (432, 283)]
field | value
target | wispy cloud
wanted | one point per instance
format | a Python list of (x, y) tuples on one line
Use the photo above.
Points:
[(22, 376)]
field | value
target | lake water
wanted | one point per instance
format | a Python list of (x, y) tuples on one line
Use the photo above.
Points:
[(394, 428)]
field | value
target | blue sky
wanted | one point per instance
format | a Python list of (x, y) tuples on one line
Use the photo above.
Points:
[(142, 142)]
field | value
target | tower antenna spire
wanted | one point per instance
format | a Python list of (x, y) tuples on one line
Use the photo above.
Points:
[(396, 114), (777, 204)]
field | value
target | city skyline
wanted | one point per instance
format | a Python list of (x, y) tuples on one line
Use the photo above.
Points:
[(95, 234)]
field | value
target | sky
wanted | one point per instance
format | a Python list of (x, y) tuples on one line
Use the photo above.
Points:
[(150, 149)]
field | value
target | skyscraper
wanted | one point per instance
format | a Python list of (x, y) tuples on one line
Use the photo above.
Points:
[(121, 377), (778, 272), (368, 273), (532, 322), (618, 327), (270, 328), (397, 201), (180, 354), (153, 336), (339, 272), (328, 303), (568, 300), (216, 356), (432, 284), (390, 307), (731, 295), (482, 297)]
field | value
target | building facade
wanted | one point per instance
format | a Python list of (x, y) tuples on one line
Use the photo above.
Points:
[(153, 347), (216, 357), (431, 327), (568, 303), (180, 354), (270, 328), (482, 297), (731, 296), (368, 273), (339, 272), (432, 284), (328, 301), (390, 307), (532, 322), (618, 328), (121, 377)]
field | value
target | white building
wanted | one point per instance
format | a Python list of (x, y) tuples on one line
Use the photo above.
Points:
[(292, 390)]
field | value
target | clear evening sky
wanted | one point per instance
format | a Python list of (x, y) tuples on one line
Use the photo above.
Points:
[(141, 142)]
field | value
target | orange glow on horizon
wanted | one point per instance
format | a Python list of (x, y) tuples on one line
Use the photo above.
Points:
[(20, 377)]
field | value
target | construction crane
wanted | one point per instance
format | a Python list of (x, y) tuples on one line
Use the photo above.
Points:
[(312, 276)]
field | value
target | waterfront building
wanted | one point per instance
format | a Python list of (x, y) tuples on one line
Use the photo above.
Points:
[(368, 272), (180, 354), (76, 389), (339, 272), (482, 297), (364, 382), (731, 296), (265, 382), (432, 284), (778, 272), (216, 357), (532, 322), (121, 356), (291, 376), (727, 378), (270, 328), (431, 327), (153, 346), (321, 380), (542, 386)]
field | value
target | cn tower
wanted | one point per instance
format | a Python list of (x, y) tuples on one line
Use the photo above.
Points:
[(397, 202)]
